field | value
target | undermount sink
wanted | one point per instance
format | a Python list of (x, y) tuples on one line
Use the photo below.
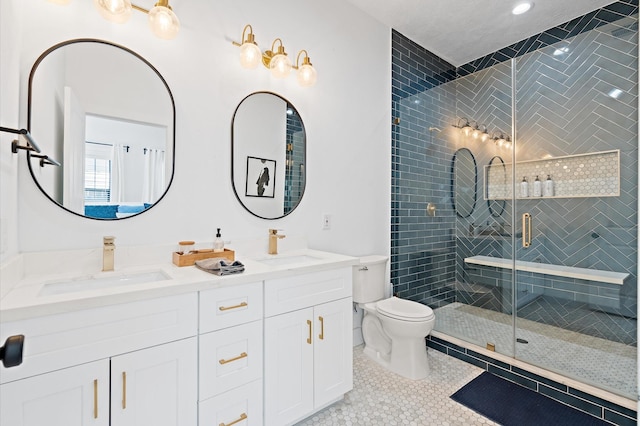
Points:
[(279, 260), (96, 282)]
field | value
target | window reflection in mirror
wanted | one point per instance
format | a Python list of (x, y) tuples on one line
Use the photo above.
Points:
[(268, 155), (108, 116)]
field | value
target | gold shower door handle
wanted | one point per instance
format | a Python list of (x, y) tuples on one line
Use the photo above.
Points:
[(309, 338), (95, 399), (321, 335), (527, 229), (124, 390)]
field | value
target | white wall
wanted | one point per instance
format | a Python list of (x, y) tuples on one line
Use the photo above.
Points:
[(347, 117)]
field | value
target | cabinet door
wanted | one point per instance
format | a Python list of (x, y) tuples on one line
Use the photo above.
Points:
[(288, 367), (155, 386), (333, 351), (76, 396)]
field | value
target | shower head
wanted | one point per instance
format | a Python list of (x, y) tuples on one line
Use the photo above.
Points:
[(431, 129)]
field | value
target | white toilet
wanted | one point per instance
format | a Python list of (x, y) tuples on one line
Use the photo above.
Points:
[(394, 329)]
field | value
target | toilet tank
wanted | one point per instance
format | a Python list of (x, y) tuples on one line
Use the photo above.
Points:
[(369, 279)]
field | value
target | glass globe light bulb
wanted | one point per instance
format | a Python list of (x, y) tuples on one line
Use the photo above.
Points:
[(475, 133), (280, 66), (250, 55), (118, 11), (163, 22), (307, 75)]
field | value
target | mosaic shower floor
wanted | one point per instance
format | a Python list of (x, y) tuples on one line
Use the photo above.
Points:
[(590, 359), (382, 398)]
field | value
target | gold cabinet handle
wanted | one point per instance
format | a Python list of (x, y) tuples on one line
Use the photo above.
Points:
[(321, 335), (243, 416), (124, 390), (226, 308), (95, 399), (242, 355), (309, 338), (527, 228)]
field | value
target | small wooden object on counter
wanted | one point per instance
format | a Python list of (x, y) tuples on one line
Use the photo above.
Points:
[(189, 259)]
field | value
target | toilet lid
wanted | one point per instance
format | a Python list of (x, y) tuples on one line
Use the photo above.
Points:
[(404, 309)]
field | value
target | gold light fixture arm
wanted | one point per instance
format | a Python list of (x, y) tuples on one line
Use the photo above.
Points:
[(249, 38), (305, 60), (269, 54)]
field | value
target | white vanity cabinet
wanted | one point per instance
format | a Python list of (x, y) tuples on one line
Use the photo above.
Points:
[(308, 343), (141, 356), (231, 356)]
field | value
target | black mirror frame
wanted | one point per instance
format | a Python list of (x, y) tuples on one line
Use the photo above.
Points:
[(29, 108), (453, 182), (499, 204)]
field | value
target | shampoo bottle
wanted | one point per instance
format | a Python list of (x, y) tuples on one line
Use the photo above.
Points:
[(548, 187), (524, 187), (218, 244), (537, 187)]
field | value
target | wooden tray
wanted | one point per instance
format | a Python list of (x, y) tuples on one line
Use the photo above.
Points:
[(190, 259)]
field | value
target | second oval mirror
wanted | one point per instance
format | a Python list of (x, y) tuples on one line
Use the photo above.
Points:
[(268, 155)]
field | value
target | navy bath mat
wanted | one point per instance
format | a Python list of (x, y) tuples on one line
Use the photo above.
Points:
[(510, 404)]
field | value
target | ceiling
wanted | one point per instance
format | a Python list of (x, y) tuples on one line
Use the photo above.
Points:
[(460, 31)]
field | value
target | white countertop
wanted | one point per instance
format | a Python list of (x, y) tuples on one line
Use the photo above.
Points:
[(24, 300)]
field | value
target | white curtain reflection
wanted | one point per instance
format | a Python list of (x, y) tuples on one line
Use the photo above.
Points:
[(154, 176), (117, 174)]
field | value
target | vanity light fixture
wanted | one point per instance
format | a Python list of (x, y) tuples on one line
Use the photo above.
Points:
[(250, 54), (464, 126), (276, 59), (162, 20), (307, 74)]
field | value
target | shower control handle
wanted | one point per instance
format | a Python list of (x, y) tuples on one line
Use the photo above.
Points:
[(527, 229)]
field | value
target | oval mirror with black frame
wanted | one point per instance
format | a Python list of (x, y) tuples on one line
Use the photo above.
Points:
[(108, 116), (464, 178), (268, 155), (497, 172)]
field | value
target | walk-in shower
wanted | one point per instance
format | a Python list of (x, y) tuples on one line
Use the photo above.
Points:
[(547, 278)]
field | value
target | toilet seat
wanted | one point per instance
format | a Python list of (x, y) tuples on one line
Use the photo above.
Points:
[(405, 310)]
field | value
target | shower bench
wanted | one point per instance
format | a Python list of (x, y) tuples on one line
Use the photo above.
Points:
[(549, 269)]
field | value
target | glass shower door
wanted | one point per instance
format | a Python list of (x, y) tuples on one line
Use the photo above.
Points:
[(575, 182)]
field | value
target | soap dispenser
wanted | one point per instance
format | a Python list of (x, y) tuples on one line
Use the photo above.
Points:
[(548, 187), (218, 244), (537, 187), (524, 187)]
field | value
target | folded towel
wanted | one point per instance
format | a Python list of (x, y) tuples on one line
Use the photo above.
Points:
[(220, 266)]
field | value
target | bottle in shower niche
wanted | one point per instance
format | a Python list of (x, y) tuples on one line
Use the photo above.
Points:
[(547, 189), (524, 187), (537, 187)]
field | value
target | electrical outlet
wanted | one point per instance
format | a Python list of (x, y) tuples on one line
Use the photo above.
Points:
[(326, 221)]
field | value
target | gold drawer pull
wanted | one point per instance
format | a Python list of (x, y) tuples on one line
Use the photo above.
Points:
[(309, 338), (124, 390), (242, 355), (321, 335), (226, 308), (243, 416), (95, 399)]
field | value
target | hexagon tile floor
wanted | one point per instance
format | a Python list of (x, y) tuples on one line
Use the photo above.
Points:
[(382, 398)]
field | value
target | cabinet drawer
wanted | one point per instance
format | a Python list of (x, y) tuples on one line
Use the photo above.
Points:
[(62, 340), (301, 291), (243, 403), (230, 358), (225, 307)]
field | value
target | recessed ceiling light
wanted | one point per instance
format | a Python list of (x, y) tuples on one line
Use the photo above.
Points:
[(521, 8)]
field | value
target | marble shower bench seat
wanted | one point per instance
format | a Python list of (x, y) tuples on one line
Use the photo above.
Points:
[(609, 277)]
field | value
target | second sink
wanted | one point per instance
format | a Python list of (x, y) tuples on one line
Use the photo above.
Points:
[(94, 282)]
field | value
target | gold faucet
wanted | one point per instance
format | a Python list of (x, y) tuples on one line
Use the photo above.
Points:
[(273, 240), (108, 252)]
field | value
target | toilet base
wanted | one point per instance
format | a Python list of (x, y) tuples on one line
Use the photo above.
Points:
[(407, 360)]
